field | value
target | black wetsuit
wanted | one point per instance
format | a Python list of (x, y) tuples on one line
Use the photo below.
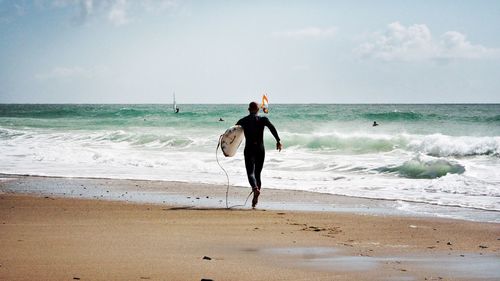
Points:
[(253, 127)]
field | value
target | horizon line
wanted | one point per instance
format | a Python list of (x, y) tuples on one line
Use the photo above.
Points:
[(289, 103)]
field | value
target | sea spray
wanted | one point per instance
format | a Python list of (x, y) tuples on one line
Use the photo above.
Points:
[(347, 142), (442, 145)]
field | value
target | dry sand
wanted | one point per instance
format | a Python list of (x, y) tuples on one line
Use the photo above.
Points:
[(52, 238)]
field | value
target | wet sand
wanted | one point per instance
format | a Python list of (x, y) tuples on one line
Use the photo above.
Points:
[(46, 237)]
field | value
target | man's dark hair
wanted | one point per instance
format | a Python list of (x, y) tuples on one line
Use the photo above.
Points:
[(253, 107)]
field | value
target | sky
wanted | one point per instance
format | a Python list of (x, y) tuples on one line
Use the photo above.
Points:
[(124, 51)]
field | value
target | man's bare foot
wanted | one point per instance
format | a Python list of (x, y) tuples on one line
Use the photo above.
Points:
[(256, 193)]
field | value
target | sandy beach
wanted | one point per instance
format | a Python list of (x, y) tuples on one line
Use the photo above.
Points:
[(132, 134), (46, 237)]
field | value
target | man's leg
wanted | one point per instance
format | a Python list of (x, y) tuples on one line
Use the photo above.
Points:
[(259, 164), (250, 167)]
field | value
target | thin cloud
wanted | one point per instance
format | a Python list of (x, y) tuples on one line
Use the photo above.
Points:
[(155, 6), (83, 9), (416, 43), (118, 13), (115, 12), (86, 9), (308, 32)]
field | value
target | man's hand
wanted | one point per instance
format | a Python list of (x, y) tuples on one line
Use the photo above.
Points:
[(278, 146)]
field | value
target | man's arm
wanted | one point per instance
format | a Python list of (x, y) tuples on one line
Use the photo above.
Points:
[(275, 134)]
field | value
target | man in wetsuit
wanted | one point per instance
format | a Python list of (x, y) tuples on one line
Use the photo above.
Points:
[(253, 127)]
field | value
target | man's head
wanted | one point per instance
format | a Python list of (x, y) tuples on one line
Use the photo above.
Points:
[(253, 107)]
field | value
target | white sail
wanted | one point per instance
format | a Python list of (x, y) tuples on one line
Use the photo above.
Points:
[(174, 105)]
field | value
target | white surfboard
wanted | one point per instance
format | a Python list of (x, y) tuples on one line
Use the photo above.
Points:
[(231, 140)]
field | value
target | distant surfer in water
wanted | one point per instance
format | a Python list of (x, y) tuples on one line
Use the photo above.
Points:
[(375, 124), (253, 128)]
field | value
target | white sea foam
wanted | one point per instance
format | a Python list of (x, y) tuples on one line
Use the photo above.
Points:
[(362, 142), (331, 162), (442, 145)]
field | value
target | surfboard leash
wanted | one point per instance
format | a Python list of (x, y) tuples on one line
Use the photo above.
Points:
[(227, 177), (225, 172)]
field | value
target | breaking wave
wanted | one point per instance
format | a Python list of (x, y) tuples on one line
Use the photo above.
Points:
[(443, 145), (338, 142), (421, 169), (433, 145)]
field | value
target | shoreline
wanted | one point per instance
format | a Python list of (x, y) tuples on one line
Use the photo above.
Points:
[(201, 195), (55, 238), (115, 231)]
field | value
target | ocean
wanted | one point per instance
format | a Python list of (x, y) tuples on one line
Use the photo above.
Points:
[(442, 154)]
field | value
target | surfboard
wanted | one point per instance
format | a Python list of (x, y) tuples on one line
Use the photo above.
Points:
[(231, 140)]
